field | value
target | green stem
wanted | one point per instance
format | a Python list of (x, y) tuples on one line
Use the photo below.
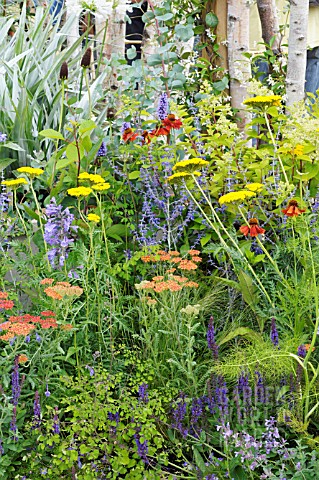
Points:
[(89, 92), (227, 234), (41, 224), (275, 149)]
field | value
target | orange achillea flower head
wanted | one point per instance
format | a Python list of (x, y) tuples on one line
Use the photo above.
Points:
[(171, 270), (147, 258), (7, 336), (48, 322), (47, 281), (48, 313), (165, 257), (3, 295), (196, 259), (293, 210), (63, 284), (173, 253), (6, 304), (67, 327), (253, 230), (191, 284), (151, 301), (307, 347), (22, 358), (158, 278), (172, 122), (194, 252), (50, 291), (187, 265), (175, 259)]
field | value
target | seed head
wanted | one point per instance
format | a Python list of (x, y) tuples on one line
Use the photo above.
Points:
[(86, 59), (64, 72)]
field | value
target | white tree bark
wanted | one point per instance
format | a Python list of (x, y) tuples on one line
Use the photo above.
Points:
[(238, 44), (297, 51), (269, 22)]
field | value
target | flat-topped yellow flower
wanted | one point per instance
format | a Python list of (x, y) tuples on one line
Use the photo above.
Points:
[(93, 218), (79, 191), (236, 196), (190, 165), (263, 101), (178, 177), (101, 187), (14, 183), (254, 187), (92, 177), (32, 172)]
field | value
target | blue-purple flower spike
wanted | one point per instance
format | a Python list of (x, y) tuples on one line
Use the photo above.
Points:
[(36, 411), (274, 333), (162, 109), (102, 150)]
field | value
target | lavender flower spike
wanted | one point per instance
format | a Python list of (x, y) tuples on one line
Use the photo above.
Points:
[(162, 109)]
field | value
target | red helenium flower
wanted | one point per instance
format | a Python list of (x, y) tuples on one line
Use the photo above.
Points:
[(253, 230), (129, 135), (172, 122), (293, 210)]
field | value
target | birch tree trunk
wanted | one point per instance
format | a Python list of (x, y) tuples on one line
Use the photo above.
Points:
[(269, 22), (238, 44), (297, 50), (219, 7)]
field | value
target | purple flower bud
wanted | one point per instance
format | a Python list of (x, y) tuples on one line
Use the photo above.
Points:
[(56, 422), (3, 137), (36, 411), (47, 393), (179, 413), (142, 446), (211, 342), (274, 333), (91, 370)]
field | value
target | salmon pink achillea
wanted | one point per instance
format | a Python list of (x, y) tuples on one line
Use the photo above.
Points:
[(293, 210), (253, 230)]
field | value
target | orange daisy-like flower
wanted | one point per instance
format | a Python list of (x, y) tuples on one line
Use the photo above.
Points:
[(293, 210), (157, 132), (129, 135), (172, 122), (253, 230), (6, 304)]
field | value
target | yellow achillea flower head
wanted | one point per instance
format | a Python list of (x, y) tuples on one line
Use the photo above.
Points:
[(79, 191), (32, 172), (94, 178), (263, 101), (14, 183), (190, 165), (101, 187), (178, 177), (236, 196), (254, 187), (93, 218)]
